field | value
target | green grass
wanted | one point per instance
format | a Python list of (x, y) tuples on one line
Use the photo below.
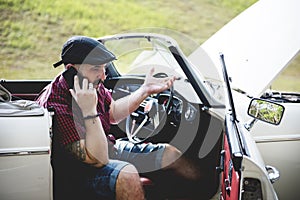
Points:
[(289, 79), (33, 31)]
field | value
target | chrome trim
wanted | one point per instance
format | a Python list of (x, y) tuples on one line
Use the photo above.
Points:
[(24, 151), (273, 173), (284, 138)]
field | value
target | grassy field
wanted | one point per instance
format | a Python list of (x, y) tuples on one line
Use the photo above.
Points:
[(33, 31)]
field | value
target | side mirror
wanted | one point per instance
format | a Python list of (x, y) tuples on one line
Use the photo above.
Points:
[(266, 111)]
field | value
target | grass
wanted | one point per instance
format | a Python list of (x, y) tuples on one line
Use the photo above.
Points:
[(33, 31), (289, 79)]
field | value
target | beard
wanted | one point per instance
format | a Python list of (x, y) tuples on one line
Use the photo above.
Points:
[(97, 82)]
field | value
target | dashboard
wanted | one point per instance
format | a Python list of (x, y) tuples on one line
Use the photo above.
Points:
[(168, 110)]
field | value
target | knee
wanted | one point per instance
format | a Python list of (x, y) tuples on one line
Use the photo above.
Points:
[(128, 184), (170, 155), (128, 173)]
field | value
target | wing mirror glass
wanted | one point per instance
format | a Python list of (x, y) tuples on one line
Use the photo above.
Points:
[(266, 111)]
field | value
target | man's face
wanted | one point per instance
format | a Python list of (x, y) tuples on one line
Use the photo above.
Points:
[(94, 73)]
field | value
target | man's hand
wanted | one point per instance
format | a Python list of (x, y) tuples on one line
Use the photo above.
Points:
[(86, 97), (121, 108), (156, 85)]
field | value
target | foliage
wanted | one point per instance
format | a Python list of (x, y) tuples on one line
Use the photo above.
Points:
[(33, 31)]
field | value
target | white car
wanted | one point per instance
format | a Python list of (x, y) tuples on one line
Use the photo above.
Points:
[(198, 115), (199, 121)]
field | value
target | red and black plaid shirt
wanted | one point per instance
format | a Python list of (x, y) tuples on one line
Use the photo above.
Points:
[(70, 124)]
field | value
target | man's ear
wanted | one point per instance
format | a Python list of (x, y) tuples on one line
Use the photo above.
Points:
[(69, 65)]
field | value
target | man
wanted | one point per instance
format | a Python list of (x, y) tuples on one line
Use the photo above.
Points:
[(84, 161)]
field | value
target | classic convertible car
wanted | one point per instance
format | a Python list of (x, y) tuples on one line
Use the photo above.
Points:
[(198, 115)]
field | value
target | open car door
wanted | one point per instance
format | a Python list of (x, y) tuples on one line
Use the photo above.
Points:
[(244, 175), (233, 152)]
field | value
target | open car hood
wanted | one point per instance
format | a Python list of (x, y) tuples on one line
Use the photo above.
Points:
[(258, 44)]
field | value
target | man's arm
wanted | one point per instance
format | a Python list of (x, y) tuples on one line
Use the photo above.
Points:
[(87, 150), (121, 108), (93, 148)]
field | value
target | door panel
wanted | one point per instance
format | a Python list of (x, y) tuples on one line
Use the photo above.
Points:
[(230, 183)]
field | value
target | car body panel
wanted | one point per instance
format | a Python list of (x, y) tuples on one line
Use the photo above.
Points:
[(279, 145), (26, 177), (252, 170), (25, 170)]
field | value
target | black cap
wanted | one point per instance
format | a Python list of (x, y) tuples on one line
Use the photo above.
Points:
[(84, 50)]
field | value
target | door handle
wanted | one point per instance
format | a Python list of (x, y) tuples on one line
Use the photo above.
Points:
[(273, 173)]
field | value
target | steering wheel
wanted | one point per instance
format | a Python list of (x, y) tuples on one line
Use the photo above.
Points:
[(150, 117)]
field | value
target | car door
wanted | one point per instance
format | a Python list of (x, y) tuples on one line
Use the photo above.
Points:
[(231, 161), (244, 174)]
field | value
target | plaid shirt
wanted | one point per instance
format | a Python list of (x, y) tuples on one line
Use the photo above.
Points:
[(70, 124)]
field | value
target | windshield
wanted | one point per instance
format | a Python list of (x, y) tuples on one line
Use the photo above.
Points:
[(137, 53)]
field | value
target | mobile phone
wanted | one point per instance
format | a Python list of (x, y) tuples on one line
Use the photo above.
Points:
[(69, 76)]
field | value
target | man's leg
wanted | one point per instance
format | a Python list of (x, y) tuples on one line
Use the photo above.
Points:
[(116, 180), (128, 184), (180, 177), (164, 164), (172, 159), (152, 157)]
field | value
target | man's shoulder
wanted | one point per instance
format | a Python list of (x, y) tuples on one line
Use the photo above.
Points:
[(59, 85), (56, 90)]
